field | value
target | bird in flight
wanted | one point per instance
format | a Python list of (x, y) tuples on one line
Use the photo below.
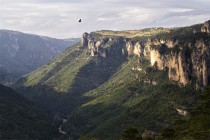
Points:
[(80, 20)]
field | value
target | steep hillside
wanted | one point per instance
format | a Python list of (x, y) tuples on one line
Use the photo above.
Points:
[(20, 119), (22, 53), (196, 125), (69, 76), (112, 80)]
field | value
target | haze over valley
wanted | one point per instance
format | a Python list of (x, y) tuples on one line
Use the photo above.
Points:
[(128, 70)]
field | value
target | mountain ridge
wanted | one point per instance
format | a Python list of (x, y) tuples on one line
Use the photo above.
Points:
[(21, 53), (135, 78)]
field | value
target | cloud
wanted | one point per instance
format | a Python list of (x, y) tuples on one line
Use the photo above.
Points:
[(59, 18)]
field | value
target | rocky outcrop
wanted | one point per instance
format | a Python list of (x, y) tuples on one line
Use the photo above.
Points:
[(84, 39), (182, 112), (157, 60), (178, 69), (186, 60), (103, 46), (182, 61), (134, 48), (138, 49), (129, 48), (206, 27), (137, 68), (171, 43), (200, 61), (94, 45), (147, 49)]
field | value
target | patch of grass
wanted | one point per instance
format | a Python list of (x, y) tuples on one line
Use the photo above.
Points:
[(134, 33)]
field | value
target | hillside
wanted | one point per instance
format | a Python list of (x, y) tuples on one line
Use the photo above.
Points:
[(22, 53), (21, 119), (196, 125), (111, 80)]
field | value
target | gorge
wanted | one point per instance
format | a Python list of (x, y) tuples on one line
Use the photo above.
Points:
[(147, 79)]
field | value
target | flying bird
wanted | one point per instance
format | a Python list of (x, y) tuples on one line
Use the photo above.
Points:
[(80, 20)]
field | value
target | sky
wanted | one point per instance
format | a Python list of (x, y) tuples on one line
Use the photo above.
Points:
[(59, 18)]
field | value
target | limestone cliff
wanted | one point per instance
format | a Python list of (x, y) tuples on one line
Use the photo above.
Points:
[(206, 27), (130, 48), (138, 49), (134, 48), (183, 61), (200, 61), (102, 46), (84, 39), (185, 56), (178, 70)]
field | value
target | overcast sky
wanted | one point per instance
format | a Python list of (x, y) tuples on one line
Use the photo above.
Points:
[(59, 18)]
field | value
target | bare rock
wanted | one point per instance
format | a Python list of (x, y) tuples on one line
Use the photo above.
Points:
[(178, 70), (207, 26), (138, 49), (130, 48), (182, 112), (84, 39)]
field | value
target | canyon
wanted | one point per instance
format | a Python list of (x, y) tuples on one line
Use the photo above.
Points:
[(183, 60)]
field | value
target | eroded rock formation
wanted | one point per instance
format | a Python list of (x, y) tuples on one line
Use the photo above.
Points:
[(178, 69), (206, 27), (84, 39), (184, 60)]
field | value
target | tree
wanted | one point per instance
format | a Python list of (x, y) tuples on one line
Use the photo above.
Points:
[(131, 134), (168, 133)]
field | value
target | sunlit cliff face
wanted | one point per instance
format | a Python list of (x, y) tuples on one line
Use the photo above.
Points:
[(138, 49), (156, 59), (183, 59), (207, 26), (129, 47)]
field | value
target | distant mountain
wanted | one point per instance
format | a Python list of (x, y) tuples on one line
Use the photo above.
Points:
[(20, 119), (22, 53), (111, 80)]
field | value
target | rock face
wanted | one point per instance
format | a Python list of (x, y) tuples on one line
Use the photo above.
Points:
[(147, 49), (84, 39), (200, 61), (182, 61), (182, 112), (185, 60), (129, 47), (207, 26), (138, 49), (103, 46), (178, 70), (157, 60), (134, 48)]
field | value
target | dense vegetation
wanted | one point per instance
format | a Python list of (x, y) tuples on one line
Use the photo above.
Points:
[(119, 100), (102, 97), (194, 127), (21, 119), (134, 33), (136, 103)]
